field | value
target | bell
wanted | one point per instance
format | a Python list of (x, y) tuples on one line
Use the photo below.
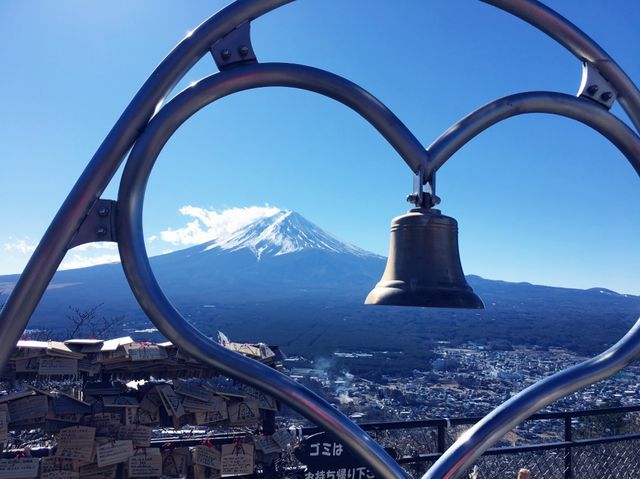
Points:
[(423, 268)]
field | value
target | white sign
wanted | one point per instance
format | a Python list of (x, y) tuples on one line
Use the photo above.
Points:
[(175, 462), (282, 437), (243, 413), (60, 475), (206, 456), (19, 468), (267, 444), (146, 462), (237, 459), (58, 367), (139, 435), (92, 471), (76, 443), (192, 390), (114, 452), (171, 401), (29, 408)]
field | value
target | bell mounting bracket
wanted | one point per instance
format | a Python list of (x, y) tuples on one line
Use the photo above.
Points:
[(424, 191)]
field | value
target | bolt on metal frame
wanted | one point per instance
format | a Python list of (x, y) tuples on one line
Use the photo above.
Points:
[(85, 216)]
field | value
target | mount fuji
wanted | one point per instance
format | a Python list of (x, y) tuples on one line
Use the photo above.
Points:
[(274, 257), (283, 233), (278, 257)]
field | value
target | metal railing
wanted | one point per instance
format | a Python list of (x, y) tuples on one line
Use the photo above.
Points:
[(582, 444)]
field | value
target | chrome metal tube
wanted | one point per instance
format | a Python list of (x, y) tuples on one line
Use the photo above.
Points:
[(582, 110), (501, 420), (149, 294), (33, 281), (580, 44)]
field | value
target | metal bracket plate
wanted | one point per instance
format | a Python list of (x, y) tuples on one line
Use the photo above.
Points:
[(424, 191), (595, 87), (235, 48), (98, 225)]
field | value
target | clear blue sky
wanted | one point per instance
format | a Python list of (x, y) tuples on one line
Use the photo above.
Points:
[(538, 198)]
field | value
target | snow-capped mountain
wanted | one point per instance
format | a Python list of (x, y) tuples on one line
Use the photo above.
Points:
[(275, 257), (283, 233)]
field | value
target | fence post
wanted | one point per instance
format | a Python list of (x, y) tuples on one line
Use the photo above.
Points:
[(568, 437), (442, 435)]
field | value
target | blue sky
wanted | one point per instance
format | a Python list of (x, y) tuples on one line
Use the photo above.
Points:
[(538, 198)]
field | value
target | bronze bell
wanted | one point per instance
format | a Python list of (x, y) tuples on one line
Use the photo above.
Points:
[(423, 268)]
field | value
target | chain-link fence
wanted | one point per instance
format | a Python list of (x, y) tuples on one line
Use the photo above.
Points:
[(607, 461), (619, 459)]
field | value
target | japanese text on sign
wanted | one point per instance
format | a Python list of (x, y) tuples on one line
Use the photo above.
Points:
[(342, 473), (329, 449)]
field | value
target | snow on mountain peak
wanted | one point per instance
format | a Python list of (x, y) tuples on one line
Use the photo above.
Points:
[(282, 233)]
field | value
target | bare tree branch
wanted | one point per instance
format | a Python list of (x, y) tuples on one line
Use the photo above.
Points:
[(87, 323)]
